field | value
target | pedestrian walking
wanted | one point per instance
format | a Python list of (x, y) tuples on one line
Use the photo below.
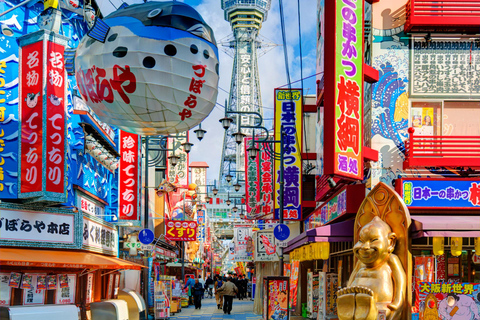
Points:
[(218, 296), (189, 285), (228, 290), (198, 290)]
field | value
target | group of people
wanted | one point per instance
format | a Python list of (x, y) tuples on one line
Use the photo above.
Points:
[(225, 290)]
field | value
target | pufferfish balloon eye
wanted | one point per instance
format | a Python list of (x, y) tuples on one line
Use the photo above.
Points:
[(150, 68)]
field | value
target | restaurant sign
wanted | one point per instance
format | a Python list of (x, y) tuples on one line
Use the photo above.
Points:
[(440, 194), (22, 225), (334, 208), (99, 237)]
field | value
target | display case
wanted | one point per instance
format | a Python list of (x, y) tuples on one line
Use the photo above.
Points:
[(163, 297)]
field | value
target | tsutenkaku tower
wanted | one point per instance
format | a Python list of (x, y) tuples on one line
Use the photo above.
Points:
[(245, 17)]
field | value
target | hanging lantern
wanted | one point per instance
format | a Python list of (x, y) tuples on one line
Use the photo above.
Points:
[(477, 246), (149, 68), (90, 16), (325, 247), (72, 4), (438, 246), (310, 251), (456, 246), (317, 251)]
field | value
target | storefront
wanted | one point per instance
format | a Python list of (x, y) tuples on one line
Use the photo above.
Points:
[(58, 256), (441, 231)]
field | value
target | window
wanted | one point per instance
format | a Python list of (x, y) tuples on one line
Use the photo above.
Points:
[(447, 118)]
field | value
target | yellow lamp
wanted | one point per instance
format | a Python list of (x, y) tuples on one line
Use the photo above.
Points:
[(456, 246), (438, 246), (325, 246), (50, 4), (477, 246), (316, 251)]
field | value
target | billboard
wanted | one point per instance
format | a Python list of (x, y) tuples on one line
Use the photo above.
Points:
[(181, 230), (265, 246), (288, 114), (243, 244), (343, 106), (178, 174), (128, 181), (42, 98), (252, 190), (440, 193)]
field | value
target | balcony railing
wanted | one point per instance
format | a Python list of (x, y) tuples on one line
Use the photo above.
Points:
[(443, 16), (441, 151)]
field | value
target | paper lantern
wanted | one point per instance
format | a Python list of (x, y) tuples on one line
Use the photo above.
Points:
[(325, 247), (438, 246), (477, 246), (156, 71), (317, 251), (456, 246)]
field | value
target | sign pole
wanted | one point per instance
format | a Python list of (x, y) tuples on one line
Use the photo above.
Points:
[(183, 242), (145, 225)]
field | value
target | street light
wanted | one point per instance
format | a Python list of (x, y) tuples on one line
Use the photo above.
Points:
[(252, 152), (235, 209), (226, 122), (228, 202), (228, 177), (187, 146), (207, 199), (237, 186), (239, 136), (215, 191), (200, 132), (173, 159)]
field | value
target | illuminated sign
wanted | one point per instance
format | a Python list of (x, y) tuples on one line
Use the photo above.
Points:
[(128, 176), (181, 230)]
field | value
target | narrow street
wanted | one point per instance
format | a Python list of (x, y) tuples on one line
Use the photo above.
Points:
[(242, 310)]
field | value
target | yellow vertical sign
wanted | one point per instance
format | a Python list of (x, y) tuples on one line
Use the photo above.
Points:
[(288, 114)]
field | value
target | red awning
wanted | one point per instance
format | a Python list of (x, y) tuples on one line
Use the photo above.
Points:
[(445, 226)]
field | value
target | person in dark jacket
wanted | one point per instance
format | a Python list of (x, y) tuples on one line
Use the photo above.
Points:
[(228, 290), (198, 290)]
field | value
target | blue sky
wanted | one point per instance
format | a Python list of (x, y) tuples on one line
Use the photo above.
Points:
[(271, 65)]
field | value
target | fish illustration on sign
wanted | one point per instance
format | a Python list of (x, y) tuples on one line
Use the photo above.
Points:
[(149, 68)]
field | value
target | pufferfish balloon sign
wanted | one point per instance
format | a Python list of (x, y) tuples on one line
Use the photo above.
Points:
[(150, 68)]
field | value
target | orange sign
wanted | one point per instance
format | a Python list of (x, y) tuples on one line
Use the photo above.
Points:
[(181, 230)]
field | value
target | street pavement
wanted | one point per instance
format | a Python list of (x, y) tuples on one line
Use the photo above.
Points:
[(241, 310)]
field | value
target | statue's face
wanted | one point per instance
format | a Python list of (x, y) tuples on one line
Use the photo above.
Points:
[(372, 247)]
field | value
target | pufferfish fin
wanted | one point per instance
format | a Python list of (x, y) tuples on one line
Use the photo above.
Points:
[(99, 30)]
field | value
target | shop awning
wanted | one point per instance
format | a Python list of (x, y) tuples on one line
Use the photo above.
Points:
[(445, 226), (337, 232), (62, 259)]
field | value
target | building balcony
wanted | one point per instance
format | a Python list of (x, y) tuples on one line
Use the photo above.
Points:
[(441, 151), (456, 16)]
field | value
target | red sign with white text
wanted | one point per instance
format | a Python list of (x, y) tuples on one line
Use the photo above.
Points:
[(128, 176), (181, 230), (55, 97), (31, 113)]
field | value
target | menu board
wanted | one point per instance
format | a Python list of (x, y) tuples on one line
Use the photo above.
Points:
[(32, 295), (294, 283), (66, 291), (331, 300), (315, 295), (5, 289)]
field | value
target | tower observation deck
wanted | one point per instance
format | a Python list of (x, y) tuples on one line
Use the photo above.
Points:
[(246, 18)]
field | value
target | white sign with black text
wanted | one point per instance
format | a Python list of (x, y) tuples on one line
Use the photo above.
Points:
[(99, 237), (36, 226)]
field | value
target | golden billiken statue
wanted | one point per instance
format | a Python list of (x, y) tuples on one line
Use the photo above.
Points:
[(378, 281)]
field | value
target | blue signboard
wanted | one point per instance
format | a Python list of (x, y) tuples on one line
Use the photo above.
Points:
[(281, 232), (444, 193), (146, 236)]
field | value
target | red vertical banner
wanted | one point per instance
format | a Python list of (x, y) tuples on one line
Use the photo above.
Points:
[(31, 113), (55, 118), (266, 182), (128, 176), (251, 180)]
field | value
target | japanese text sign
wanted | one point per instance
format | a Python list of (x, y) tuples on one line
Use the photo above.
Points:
[(31, 113), (334, 208), (343, 61), (42, 103), (251, 178), (99, 237), (243, 244), (288, 114), (128, 176), (181, 230), (349, 89), (444, 193), (36, 226), (178, 174), (8, 125), (278, 291), (448, 300)]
